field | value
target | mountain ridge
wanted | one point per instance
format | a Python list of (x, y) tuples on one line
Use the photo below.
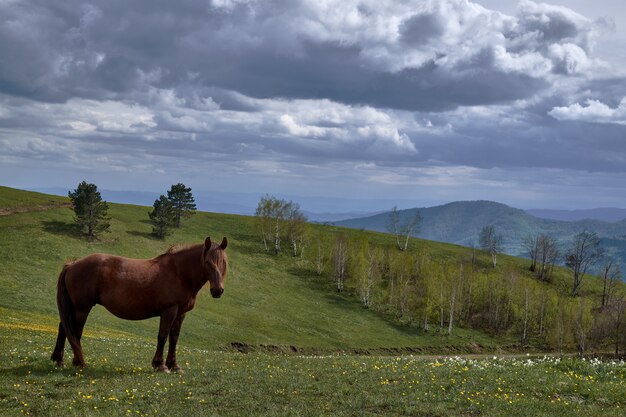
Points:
[(607, 214), (461, 222)]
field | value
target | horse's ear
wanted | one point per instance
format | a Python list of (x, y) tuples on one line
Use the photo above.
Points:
[(207, 243), (224, 243)]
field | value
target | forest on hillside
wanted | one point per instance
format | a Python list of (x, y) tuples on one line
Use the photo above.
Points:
[(439, 290)]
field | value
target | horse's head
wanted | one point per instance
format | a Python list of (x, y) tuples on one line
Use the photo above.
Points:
[(215, 262)]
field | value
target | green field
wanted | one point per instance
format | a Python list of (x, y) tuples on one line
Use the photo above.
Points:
[(120, 382), (302, 334)]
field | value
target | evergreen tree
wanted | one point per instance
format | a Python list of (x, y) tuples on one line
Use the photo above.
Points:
[(182, 202), (90, 209), (162, 217)]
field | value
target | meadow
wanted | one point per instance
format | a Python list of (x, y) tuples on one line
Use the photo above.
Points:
[(120, 382), (303, 339)]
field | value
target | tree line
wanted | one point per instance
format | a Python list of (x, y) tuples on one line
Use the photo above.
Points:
[(441, 292), (91, 211)]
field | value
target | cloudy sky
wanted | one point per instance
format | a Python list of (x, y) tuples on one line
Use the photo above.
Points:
[(426, 101)]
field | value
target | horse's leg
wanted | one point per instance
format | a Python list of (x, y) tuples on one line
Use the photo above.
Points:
[(57, 355), (167, 318), (79, 323), (171, 351)]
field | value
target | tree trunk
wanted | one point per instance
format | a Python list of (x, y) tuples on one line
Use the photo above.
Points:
[(524, 333), (542, 312), (452, 297), (441, 305)]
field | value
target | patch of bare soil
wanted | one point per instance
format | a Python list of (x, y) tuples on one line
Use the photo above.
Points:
[(470, 350)]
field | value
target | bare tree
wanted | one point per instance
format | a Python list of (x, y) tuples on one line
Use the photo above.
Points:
[(531, 246), (548, 254), (491, 242), (611, 275), (583, 253), (403, 228)]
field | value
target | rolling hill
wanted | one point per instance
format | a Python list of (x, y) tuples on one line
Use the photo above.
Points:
[(269, 300), (461, 222), (607, 214)]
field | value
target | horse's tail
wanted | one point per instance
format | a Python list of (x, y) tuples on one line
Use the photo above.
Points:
[(66, 307)]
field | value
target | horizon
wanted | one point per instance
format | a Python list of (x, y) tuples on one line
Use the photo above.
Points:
[(421, 103), (248, 201)]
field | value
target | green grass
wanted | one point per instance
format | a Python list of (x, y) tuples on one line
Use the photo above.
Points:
[(270, 300), (118, 382), (11, 198)]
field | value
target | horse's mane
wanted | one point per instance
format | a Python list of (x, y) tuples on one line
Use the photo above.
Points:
[(176, 248)]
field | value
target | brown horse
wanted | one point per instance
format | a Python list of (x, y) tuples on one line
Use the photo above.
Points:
[(137, 289)]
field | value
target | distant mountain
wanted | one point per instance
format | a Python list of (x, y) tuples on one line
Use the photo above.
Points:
[(461, 223), (335, 217), (607, 214)]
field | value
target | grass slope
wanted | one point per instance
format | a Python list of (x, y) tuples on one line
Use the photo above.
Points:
[(12, 200), (268, 299), (228, 384)]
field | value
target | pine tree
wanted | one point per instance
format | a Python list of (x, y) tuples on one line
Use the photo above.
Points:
[(182, 202), (90, 209), (162, 217)]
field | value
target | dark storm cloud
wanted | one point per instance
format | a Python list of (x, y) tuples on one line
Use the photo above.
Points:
[(413, 86), (573, 146), (418, 29), (59, 50)]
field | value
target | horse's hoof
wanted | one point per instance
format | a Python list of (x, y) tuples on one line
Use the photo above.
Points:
[(60, 364), (80, 365), (176, 368), (163, 368)]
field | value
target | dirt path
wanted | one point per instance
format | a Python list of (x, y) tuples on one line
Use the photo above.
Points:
[(7, 211)]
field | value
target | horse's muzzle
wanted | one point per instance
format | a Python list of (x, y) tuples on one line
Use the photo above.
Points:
[(217, 292)]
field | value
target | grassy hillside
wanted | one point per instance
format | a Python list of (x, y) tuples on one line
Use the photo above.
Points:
[(12, 201), (226, 384), (270, 300)]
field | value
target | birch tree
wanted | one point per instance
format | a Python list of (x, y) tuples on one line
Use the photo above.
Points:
[(491, 242), (296, 227), (403, 228), (340, 261)]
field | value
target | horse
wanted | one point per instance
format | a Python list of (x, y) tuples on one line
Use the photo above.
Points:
[(137, 289)]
